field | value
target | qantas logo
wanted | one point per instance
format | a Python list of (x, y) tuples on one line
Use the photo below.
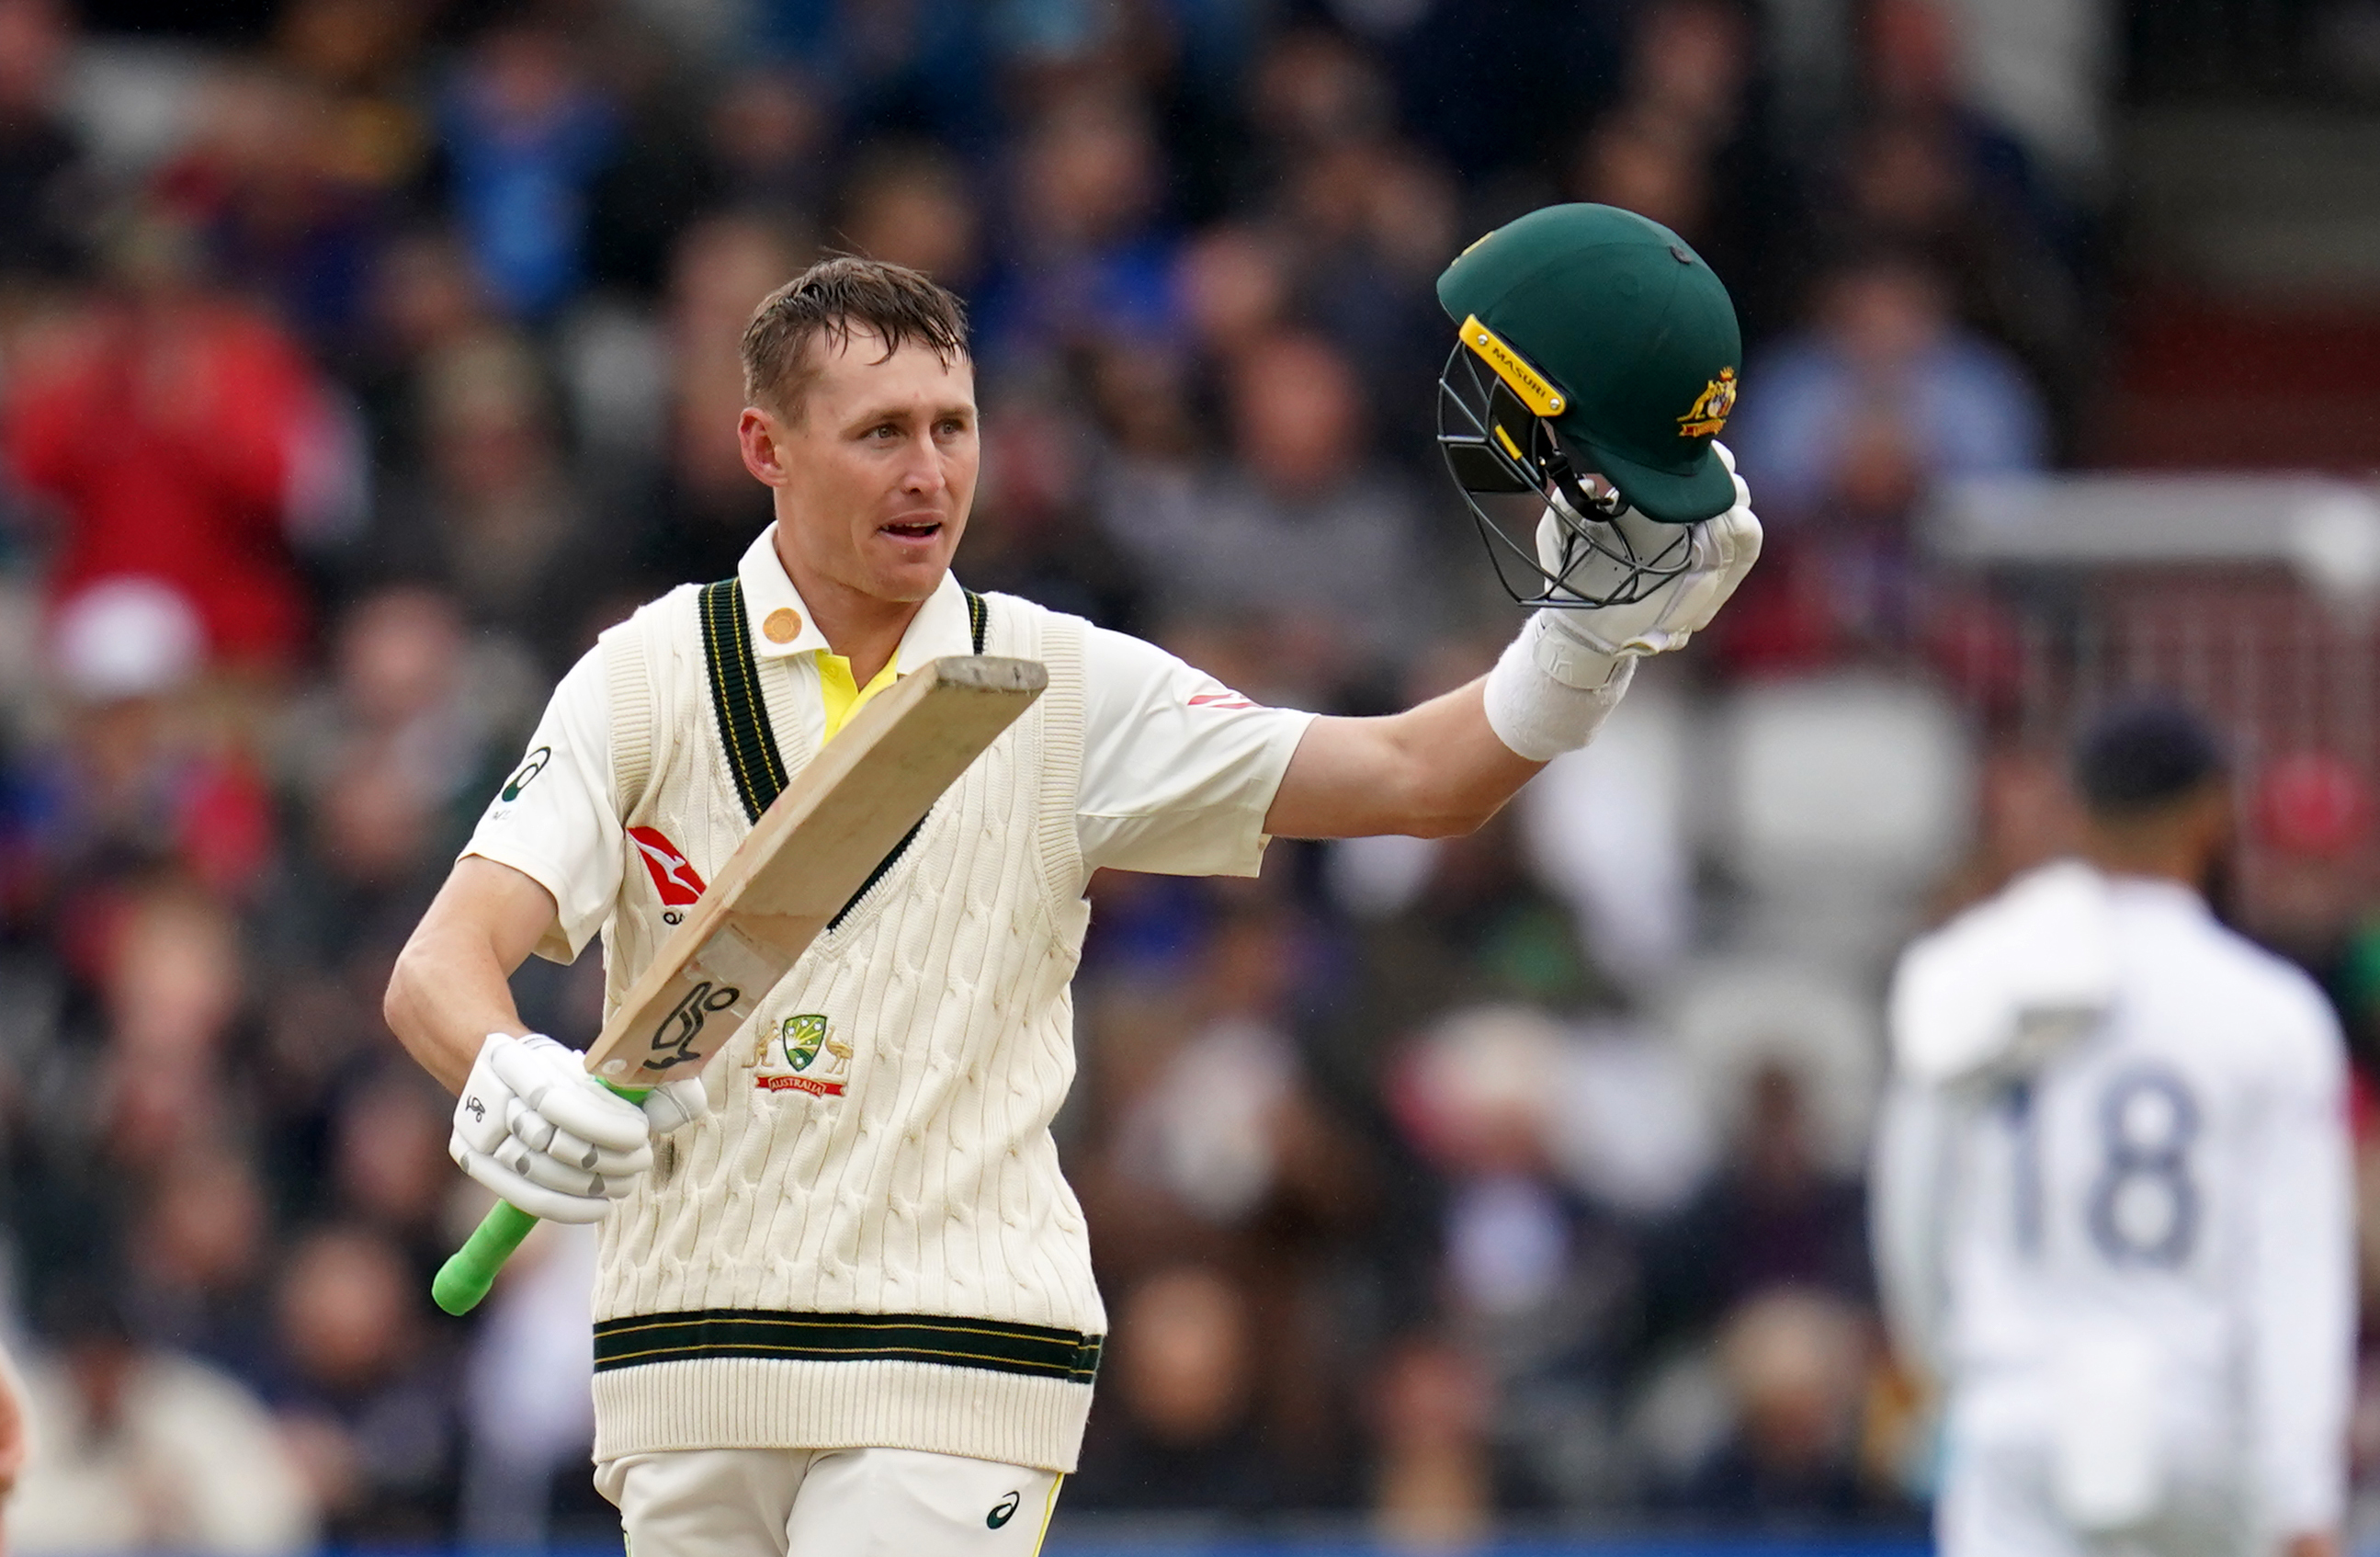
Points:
[(1219, 700), (672, 877)]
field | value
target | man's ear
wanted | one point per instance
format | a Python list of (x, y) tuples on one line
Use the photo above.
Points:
[(761, 436)]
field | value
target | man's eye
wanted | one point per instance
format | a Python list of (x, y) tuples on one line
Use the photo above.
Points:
[(885, 431)]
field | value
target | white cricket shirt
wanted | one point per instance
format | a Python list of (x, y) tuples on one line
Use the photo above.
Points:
[(2138, 1253), (1178, 770)]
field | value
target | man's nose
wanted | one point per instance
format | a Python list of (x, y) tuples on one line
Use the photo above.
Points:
[(922, 471)]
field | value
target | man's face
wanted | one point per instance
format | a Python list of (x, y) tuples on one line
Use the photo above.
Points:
[(874, 478)]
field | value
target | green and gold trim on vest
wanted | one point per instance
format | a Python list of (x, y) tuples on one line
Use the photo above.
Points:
[(996, 1346), (745, 733), (753, 762)]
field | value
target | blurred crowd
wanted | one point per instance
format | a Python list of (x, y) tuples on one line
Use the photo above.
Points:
[(363, 359)]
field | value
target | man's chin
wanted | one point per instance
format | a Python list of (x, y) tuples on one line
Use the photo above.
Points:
[(908, 579)]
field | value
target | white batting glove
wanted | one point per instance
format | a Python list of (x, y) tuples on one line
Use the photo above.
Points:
[(532, 1125), (673, 1105), (1579, 646)]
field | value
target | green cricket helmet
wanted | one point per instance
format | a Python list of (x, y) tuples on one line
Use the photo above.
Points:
[(1595, 362)]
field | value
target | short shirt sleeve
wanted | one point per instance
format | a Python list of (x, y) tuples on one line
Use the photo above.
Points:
[(1178, 770), (553, 820)]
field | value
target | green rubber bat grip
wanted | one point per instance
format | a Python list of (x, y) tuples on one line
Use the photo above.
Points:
[(470, 1271)]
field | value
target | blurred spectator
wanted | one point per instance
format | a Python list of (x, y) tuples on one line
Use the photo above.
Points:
[(366, 1401), (1089, 261), (360, 54), (495, 510), (42, 174), (1796, 1369), (1539, 1285), (1774, 1216), (1235, 284), (412, 694), (527, 1403), (1217, 1147), (1851, 425), (240, 448), (1687, 146), (1854, 418), (710, 507), (1301, 533), (1033, 531), (279, 219), (1457, 924), (749, 144), (198, 1265), (527, 132), (911, 204), (389, 1170), (1433, 1483), (146, 774), (143, 1449), (1179, 1433)]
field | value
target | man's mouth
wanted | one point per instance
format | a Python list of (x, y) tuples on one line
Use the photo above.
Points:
[(922, 527)]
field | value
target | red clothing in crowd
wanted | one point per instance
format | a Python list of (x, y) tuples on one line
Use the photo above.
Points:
[(175, 437)]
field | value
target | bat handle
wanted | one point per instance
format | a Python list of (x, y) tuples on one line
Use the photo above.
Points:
[(471, 1270)]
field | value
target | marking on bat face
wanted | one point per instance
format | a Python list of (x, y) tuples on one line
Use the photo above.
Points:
[(679, 1029), (673, 875)]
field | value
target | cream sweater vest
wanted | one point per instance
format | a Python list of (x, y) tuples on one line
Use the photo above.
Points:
[(869, 1241)]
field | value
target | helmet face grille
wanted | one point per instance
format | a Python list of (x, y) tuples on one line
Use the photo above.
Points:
[(1551, 536)]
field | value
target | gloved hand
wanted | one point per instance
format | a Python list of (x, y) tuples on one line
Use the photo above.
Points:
[(532, 1125), (673, 1105), (1579, 646)]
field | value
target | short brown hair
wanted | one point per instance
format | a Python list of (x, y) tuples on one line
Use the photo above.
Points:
[(831, 298)]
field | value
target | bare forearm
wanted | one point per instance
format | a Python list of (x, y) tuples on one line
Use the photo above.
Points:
[(446, 997), (450, 987), (1430, 772)]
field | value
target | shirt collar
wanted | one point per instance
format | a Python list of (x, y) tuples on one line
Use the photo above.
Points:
[(780, 625), (2157, 892)]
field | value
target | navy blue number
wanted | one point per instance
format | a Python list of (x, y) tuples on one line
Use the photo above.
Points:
[(2145, 1207), (2024, 1162)]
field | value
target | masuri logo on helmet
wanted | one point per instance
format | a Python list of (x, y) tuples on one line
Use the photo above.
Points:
[(1592, 344)]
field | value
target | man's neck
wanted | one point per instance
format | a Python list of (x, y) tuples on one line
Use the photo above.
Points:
[(862, 628), (2176, 867)]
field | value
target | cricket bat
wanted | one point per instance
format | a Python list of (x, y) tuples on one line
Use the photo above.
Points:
[(810, 854)]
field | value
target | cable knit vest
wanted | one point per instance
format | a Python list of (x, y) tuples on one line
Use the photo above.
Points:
[(869, 1241)]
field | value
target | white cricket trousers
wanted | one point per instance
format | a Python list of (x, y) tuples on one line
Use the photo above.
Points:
[(826, 1502), (1996, 1502)]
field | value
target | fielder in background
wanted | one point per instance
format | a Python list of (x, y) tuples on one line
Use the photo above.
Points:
[(2113, 1195), (846, 1301)]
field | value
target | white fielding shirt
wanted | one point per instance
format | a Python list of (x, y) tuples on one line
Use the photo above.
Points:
[(2161, 1206), (1178, 770)]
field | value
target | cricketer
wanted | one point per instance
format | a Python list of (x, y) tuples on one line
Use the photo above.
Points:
[(846, 1301)]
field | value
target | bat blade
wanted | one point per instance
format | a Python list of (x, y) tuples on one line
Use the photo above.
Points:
[(810, 854)]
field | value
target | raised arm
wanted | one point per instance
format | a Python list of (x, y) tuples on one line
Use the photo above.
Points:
[(1449, 764), (1431, 771)]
